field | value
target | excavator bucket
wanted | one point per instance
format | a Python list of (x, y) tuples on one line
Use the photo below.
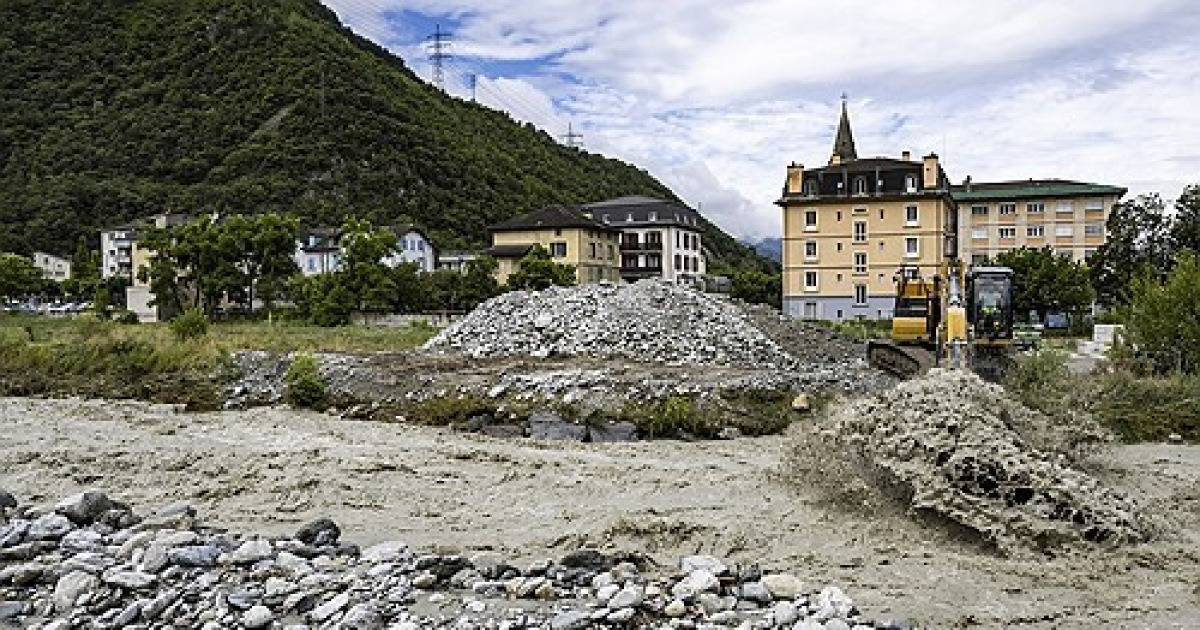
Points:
[(900, 361)]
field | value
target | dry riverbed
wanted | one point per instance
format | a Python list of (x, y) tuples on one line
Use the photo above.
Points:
[(268, 470)]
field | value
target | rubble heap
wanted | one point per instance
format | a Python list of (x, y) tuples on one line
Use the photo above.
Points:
[(966, 451), (812, 341), (91, 563), (650, 321)]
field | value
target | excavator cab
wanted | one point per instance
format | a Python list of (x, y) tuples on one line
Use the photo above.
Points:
[(990, 311)]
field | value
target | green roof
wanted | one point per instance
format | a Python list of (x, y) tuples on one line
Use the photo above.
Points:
[(1032, 188)]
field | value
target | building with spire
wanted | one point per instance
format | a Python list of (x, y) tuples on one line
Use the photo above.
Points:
[(850, 227)]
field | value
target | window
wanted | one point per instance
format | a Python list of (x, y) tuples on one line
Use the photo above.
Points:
[(860, 185), (810, 188), (1093, 205), (1064, 231), (860, 295), (979, 234), (678, 239), (611, 254), (860, 231), (839, 277), (558, 250), (1093, 229), (312, 264), (558, 231), (910, 183), (653, 216), (881, 214), (810, 250), (1035, 231), (810, 281), (1035, 207), (629, 217), (1064, 206), (980, 211), (860, 211), (839, 247), (1087, 253), (979, 259), (654, 261), (678, 262), (1008, 232), (810, 220), (860, 262), (911, 215), (592, 250), (912, 247), (810, 310), (628, 261), (1008, 208)]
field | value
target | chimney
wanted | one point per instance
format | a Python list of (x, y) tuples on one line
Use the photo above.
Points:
[(931, 179), (795, 179), (967, 183), (906, 155)]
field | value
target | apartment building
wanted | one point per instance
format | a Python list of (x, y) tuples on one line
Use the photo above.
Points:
[(1068, 216), (568, 234), (849, 227), (659, 238), (53, 267)]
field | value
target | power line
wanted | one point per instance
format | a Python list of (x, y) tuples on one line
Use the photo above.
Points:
[(439, 52), (572, 139)]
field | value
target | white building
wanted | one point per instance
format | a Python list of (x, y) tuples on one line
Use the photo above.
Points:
[(412, 246), (53, 267), (455, 261), (659, 239), (318, 252), (116, 251)]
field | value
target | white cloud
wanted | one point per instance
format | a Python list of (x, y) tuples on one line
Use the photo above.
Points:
[(716, 99)]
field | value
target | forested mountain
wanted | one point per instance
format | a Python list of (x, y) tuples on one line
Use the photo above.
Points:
[(112, 110)]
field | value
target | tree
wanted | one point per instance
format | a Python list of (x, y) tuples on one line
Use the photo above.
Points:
[(1185, 232), (410, 293), (1046, 282), (537, 271), (1139, 238), (757, 287), (274, 247), (363, 273), (479, 281), (1163, 317), (18, 276)]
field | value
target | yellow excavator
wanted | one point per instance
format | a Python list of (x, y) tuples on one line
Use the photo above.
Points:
[(955, 319)]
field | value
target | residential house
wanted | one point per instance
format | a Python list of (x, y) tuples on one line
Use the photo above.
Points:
[(570, 237), (455, 260), (412, 246), (659, 238), (53, 267), (318, 252)]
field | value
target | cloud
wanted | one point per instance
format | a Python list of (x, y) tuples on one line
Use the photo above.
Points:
[(716, 99)]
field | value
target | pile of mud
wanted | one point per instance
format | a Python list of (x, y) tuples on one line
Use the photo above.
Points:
[(649, 321), (959, 448)]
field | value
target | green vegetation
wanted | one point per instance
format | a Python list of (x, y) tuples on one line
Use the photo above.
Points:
[(305, 387), (537, 271), (757, 287), (1162, 320), (1143, 238), (1045, 282), (192, 324), (112, 111), (18, 276)]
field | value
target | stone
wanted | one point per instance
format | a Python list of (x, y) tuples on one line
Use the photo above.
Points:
[(622, 615), (784, 613), (49, 527), (390, 551), (13, 533), (362, 617), (331, 607), (729, 433), (545, 425), (11, 610), (425, 580), (800, 402), (831, 602), (201, 556), (128, 615), (836, 624), (129, 579), (86, 507), (756, 592), (257, 617), (629, 597), (252, 551), (696, 582), (7, 501), (587, 559), (609, 432), (783, 585), (70, 587), (606, 592), (808, 624), (687, 564), (675, 609), (571, 620), (319, 533)]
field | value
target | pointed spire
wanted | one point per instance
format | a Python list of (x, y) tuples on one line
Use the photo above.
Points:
[(843, 145)]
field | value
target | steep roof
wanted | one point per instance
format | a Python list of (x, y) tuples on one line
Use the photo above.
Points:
[(551, 217), (843, 144), (509, 251), (625, 211), (1024, 188)]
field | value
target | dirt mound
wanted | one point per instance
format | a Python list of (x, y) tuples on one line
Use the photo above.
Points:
[(958, 447), (805, 339)]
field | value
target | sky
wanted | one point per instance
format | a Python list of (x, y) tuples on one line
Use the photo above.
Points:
[(716, 98)]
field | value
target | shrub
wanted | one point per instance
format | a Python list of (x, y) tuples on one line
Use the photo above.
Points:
[(127, 317), (305, 385), (191, 324)]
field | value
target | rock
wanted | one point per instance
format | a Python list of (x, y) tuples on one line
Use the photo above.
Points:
[(756, 592), (202, 556), (571, 620), (675, 609), (545, 425), (783, 585), (809, 624), (70, 586), (729, 433), (330, 607), (629, 597), (836, 624), (13, 533), (49, 527), (86, 507), (362, 617), (252, 551), (319, 533), (587, 559), (620, 616), (696, 582), (831, 602), (390, 551), (784, 613), (129, 579), (7, 501), (608, 432), (690, 563), (800, 402), (11, 610), (257, 617)]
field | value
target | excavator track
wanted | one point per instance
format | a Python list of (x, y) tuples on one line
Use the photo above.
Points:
[(901, 361)]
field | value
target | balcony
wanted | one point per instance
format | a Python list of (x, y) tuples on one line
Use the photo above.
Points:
[(641, 246), (646, 271)]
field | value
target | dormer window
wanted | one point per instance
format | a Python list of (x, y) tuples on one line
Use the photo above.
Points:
[(629, 217), (860, 185), (910, 183), (653, 216), (810, 188)]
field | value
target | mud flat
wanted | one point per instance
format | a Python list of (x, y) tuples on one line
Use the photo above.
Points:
[(269, 470)]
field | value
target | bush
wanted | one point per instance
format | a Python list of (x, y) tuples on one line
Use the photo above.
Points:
[(191, 324), (127, 317), (1162, 326), (305, 385)]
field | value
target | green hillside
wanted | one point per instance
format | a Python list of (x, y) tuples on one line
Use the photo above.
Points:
[(116, 109)]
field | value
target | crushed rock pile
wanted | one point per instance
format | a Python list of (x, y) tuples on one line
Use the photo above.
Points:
[(966, 451), (814, 342), (91, 563), (646, 321)]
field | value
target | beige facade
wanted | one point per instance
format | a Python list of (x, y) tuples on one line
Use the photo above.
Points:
[(1069, 217), (592, 251)]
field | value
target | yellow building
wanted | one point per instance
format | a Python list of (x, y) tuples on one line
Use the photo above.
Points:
[(569, 236), (1068, 216), (850, 226)]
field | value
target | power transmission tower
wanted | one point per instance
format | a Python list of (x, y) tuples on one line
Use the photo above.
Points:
[(473, 79), (439, 52), (571, 138)]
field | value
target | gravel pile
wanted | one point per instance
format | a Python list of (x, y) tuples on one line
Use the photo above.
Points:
[(810, 341), (92, 563), (649, 321), (966, 451)]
